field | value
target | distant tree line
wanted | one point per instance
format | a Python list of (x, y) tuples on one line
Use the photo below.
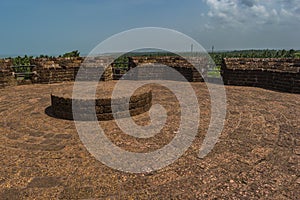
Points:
[(22, 61), (71, 54), (216, 56), (266, 53), (25, 60)]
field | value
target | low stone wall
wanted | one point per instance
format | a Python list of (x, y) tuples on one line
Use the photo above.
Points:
[(50, 71), (185, 68), (62, 107), (66, 69), (154, 71), (55, 70), (92, 67), (6, 77), (270, 73)]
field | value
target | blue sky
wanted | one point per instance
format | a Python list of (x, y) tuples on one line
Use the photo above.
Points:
[(57, 26)]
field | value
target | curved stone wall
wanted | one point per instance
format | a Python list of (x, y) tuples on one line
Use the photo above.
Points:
[(178, 63), (140, 102), (281, 74), (272, 73)]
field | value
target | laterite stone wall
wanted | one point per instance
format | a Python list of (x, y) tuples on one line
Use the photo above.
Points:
[(55, 70), (6, 77), (185, 68), (138, 104), (66, 69), (271, 73)]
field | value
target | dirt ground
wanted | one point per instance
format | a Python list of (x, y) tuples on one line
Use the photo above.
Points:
[(257, 155)]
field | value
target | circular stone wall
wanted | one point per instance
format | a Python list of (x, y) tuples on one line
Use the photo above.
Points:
[(140, 102)]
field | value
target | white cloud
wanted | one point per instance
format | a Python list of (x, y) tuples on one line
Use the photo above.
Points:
[(250, 13)]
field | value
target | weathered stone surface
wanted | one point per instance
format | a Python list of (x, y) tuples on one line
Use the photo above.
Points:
[(270, 73), (150, 70), (55, 70), (256, 156), (140, 102), (10, 193), (6, 77), (44, 182)]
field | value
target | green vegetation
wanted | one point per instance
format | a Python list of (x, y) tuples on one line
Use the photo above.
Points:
[(214, 72), (71, 54), (266, 53), (297, 55), (22, 61), (45, 56), (121, 62), (150, 54), (22, 65)]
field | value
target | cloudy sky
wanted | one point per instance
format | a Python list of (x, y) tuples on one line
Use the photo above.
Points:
[(56, 26)]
